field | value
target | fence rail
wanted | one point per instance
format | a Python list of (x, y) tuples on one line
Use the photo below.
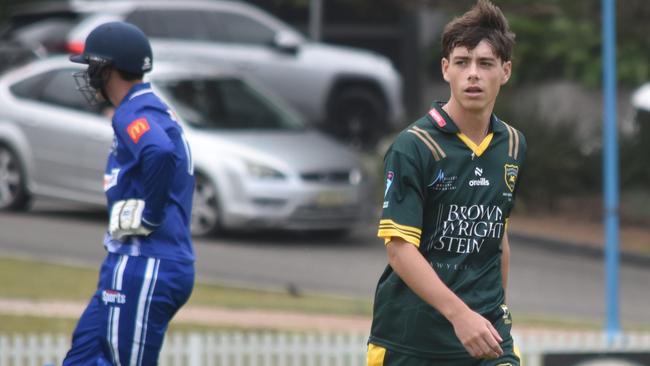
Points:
[(296, 349)]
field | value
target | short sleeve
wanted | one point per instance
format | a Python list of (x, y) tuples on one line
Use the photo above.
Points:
[(403, 199), (138, 132)]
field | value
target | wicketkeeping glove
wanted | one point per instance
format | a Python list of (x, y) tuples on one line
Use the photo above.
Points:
[(126, 219)]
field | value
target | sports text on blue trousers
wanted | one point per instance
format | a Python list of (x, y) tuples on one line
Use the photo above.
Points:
[(126, 319)]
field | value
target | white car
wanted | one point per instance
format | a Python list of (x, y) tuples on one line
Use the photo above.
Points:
[(256, 164), (354, 94)]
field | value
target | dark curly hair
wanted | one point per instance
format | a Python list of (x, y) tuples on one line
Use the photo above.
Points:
[(484, 21)]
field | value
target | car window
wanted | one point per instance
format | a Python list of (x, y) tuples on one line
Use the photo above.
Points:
[(31, 87), (55, 87), (176, 24), (227, 103), (243, 29)]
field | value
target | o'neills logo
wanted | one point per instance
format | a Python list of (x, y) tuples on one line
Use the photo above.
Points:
[(481, 181), (113, 297)]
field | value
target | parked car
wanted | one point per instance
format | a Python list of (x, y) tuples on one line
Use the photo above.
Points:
[(353, 94), (14, 54), (641, 98), (256, 164)]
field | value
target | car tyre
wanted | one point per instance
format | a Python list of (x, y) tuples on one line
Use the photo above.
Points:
[(206, 214), (13, 186), (358, 117)]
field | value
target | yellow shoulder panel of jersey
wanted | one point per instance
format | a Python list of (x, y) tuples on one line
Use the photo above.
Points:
[(375, 355), (389, 229)]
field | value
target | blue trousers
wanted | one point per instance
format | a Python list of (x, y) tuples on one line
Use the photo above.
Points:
[(126, 319)]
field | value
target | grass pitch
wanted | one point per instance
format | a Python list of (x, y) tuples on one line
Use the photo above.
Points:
[(32, 280)]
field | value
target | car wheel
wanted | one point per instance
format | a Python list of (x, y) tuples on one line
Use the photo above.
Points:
[(13, 188), (206, 215), (358, 117)]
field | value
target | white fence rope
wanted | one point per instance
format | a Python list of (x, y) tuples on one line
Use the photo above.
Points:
[(231, 348)]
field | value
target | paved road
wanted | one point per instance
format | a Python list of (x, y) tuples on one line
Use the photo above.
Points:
[(543, 282)]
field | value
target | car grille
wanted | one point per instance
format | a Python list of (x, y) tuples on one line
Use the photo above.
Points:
[(337, 176)]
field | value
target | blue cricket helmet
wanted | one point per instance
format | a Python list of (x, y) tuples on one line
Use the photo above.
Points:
[(120, 44)]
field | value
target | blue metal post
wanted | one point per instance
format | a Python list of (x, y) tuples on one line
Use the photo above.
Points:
[(610, 169)]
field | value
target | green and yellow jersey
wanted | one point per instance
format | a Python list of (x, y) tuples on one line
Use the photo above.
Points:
[(450, 198)]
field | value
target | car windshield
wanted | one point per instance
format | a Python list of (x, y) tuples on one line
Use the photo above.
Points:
[(225, 103)]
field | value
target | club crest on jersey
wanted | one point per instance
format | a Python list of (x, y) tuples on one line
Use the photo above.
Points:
[(137, 128), (510, 175), (113, 297)]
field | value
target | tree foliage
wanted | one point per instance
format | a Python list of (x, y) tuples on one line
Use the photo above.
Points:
[(562, 39)]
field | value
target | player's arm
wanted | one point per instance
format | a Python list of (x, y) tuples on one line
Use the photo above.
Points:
[(149, 143), (158, 163), (505, 262), (475, 332)]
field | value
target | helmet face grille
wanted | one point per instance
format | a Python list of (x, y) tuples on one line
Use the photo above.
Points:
[(91, 82)]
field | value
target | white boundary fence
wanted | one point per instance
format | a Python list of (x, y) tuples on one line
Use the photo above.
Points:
[(230, 348)]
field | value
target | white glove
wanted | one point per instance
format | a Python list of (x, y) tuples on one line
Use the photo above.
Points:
[(126, 219)]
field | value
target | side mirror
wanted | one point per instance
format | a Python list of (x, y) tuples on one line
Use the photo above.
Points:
[(287, 42)]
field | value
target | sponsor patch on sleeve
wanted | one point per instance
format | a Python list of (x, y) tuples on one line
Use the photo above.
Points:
[(389, 182), (137, 129)]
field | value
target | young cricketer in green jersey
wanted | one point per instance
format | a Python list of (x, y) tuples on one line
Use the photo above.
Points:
[(451, 179)]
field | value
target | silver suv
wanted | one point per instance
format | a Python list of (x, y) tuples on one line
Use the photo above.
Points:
[(353, 94)]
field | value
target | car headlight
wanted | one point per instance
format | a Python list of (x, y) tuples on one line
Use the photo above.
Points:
[(261, 171)]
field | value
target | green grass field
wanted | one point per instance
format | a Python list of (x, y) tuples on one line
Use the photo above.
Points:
[(30, 280)]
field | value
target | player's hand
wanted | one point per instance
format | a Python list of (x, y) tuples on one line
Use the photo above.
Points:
[(126, 219), (477, 335)]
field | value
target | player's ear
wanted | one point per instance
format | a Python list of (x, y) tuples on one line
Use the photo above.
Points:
[(444, 65), (507, 72)]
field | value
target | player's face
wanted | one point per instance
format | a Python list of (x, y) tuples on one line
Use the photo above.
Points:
[(475, 76)]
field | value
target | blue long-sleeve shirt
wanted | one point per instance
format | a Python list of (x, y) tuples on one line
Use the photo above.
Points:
[(150, 160)]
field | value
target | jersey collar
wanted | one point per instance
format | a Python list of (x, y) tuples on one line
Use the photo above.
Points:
[(442, 121), (137, 90)]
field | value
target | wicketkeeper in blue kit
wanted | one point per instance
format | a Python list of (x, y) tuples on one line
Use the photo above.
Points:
[(148, 273)]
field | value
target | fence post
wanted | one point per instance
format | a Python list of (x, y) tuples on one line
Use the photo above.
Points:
[(195, 350)]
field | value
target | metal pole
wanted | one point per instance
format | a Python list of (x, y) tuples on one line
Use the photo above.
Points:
[(315, 19), (610, 169)]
